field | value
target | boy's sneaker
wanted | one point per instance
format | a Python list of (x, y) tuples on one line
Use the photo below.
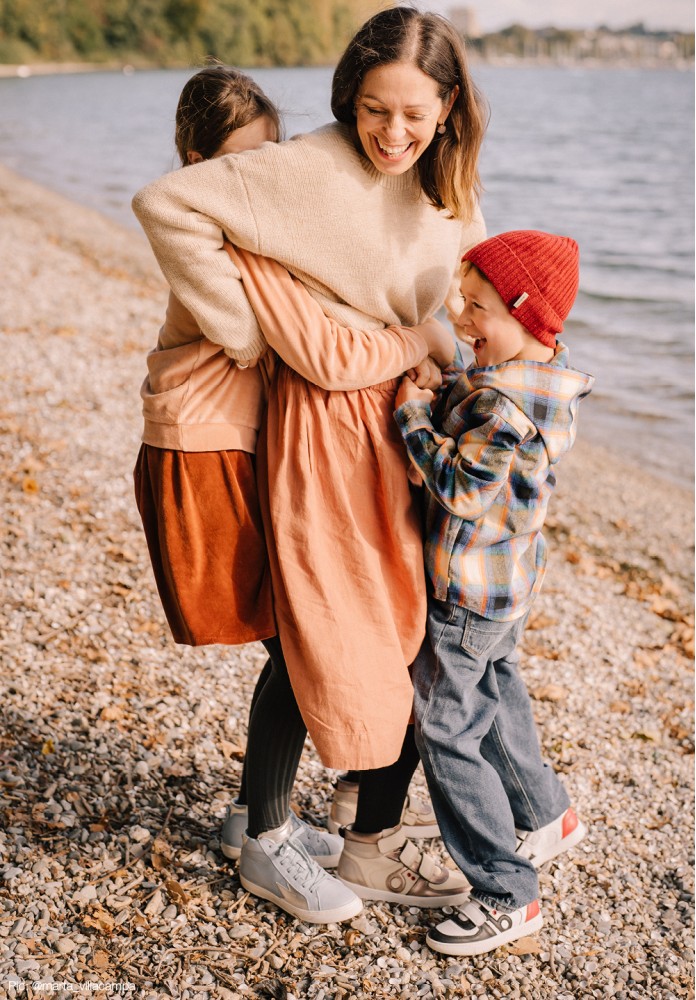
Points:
[(417, 820), (389, 867), (477, 928), (324, 847), (277, 867), (540, 846)]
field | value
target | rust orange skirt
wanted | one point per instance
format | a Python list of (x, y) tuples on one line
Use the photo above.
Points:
[(203, 528)]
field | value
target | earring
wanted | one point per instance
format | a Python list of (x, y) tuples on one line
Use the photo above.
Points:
[(441, 128)]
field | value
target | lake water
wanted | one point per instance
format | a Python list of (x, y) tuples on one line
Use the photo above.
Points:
[(603, 155)]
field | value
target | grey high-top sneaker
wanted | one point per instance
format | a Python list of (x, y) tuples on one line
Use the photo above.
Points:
[(324, 847), (277, 867), (389, 867)]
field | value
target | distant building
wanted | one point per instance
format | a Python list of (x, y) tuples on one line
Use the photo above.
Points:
[(465, 21)]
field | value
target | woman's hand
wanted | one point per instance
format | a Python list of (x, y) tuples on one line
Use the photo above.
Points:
[(439, 340), (426, 375), (408, 390)]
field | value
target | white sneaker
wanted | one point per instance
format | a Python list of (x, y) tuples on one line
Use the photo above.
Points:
[(540, 846), (324, 847), (277, 867), (389, 867), (417, 820), (478, 928)]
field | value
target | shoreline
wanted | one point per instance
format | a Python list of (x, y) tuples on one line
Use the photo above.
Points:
[(27, 70), (121, 751), (38, 200)]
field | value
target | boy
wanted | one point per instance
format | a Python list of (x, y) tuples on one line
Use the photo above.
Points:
[(486, 456)]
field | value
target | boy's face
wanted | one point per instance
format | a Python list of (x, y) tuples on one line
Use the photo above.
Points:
[(497, 336)]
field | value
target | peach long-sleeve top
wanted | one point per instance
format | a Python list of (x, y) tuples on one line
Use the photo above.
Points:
[(196, 399)]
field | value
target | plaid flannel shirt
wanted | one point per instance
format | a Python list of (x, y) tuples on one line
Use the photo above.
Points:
[(486, 458)]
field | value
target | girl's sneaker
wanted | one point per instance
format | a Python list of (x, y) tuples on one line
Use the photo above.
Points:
[(388, 867), (278, 868), (540, 846), (417, 820), (477, 928), (324, 847)]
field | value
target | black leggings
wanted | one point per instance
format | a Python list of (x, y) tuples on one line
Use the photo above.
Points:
[(274, 746)]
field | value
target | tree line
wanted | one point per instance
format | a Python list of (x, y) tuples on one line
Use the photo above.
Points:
[(173, 32)]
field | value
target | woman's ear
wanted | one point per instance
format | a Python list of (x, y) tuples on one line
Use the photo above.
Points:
[(193, 157), (450, 101)]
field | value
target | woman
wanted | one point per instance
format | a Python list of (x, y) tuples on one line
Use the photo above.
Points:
[(372, 213)]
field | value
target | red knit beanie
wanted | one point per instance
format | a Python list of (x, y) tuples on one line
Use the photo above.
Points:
[(536, 275)]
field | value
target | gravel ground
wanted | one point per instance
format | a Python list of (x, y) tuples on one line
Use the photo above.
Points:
[(120, 750)]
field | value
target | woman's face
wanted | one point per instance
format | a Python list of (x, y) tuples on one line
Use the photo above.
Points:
[(397, 110)]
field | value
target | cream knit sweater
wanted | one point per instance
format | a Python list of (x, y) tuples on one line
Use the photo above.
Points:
[(368, 246)]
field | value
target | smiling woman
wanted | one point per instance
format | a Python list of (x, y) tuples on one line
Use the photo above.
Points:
[(404, 85), (397, 112)]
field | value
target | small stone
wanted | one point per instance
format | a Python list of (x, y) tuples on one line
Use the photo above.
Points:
[(139, 834), (85, 895), (65, 946), (155, 905)]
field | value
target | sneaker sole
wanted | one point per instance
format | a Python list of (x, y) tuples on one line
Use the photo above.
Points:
[(325, 861), (339, 913), (403, 899), (573, 838), (229, 851), (482, 947)]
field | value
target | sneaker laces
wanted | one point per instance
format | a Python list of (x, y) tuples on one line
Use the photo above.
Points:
[(295, 860), (311, 834)]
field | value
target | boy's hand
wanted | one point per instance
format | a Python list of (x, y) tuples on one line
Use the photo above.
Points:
[(439, 340), (426, 374), (408, 390)]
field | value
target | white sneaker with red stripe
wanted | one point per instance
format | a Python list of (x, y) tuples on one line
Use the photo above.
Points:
[(540, 846), (477, 928)]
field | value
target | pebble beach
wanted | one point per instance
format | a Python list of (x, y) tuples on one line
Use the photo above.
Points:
[(119, 750)]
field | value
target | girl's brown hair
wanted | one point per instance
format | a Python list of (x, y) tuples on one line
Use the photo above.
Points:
[(449, 166), (214, 103)]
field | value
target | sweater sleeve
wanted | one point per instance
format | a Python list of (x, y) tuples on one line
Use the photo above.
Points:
[(465, 474), (331, 356), (184, 215)]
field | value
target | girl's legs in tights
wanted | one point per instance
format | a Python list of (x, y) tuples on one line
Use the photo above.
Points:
[(263, 677), (274, 746), (276, 738), (383, 791)]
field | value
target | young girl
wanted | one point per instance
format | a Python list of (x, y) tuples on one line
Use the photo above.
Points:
[(195, 475)]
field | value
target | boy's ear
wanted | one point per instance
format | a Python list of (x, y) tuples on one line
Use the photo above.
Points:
[(193, 157)]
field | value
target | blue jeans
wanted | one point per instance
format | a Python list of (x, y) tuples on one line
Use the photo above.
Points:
[(480, 751)]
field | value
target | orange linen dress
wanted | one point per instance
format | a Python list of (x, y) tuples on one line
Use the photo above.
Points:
[(344, 542)]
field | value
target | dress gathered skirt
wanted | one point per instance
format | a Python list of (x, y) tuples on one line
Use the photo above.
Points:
[(344, 541)]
